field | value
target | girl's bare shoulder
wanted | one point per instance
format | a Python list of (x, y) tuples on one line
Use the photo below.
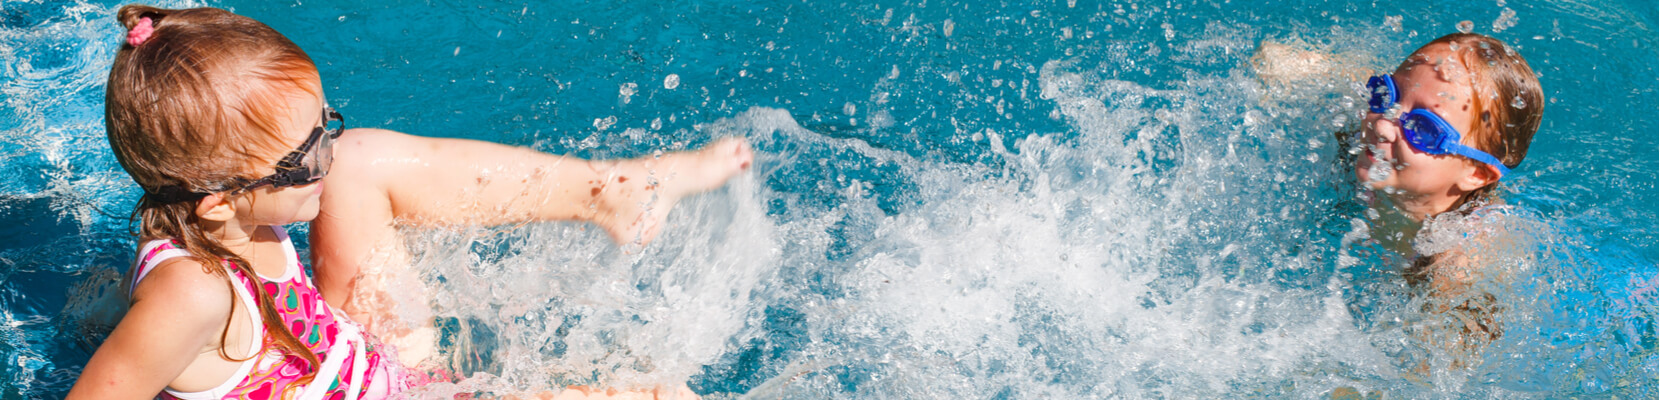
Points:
[(187, 288)]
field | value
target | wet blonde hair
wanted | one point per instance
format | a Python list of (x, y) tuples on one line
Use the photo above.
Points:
[(1508, 103), (197, 108)]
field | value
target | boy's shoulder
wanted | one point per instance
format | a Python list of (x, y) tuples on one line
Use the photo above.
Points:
[(1479, 243)]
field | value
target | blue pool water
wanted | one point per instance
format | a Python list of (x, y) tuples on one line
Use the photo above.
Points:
[(1056, 199)]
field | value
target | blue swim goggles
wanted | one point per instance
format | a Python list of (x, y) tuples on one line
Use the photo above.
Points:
[(1423, 129)]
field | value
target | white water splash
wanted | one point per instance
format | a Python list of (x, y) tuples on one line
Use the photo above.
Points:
[(543, 306)]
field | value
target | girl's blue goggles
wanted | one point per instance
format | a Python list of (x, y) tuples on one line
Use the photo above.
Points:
[(1423, 129)]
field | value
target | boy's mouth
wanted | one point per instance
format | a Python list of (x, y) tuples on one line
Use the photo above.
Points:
[(1370, 169)]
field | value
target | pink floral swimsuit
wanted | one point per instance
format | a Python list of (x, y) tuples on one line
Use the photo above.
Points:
[(353, 364)]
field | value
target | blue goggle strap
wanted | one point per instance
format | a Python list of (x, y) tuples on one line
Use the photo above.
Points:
[(1449, 141)]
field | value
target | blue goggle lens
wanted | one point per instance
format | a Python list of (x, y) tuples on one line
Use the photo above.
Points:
[(1382, 89), (1423, 133)]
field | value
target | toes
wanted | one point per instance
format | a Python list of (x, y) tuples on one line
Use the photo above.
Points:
[(744, 157), (740, 152)]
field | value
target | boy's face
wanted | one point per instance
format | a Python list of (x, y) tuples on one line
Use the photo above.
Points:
[(1432, 79)]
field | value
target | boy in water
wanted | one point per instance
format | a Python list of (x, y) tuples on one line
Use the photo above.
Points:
[(1439, 134)]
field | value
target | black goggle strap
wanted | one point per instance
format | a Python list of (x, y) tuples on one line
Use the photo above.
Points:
[(178, 193), (331, 115), (172, 194), (253, 185)]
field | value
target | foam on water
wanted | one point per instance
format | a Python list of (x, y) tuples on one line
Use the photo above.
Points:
[(544, 306), (1089, 265), (1163, 247)]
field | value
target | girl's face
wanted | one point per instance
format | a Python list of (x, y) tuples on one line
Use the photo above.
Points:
[(1434, 80), (268, 205)]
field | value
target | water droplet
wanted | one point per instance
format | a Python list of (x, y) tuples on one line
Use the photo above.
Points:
[(626, 91), (672, 81), (1518, 103), (1378, 172), (1466, 26), (602, 123), (850, 109), (948, 27), (1507, 19)]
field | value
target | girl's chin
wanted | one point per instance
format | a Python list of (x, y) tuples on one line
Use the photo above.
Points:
[(307, 214)]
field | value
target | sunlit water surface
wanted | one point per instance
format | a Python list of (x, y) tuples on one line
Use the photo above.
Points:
[(1065, 199)]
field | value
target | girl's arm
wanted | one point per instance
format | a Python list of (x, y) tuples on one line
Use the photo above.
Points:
[(176, 314)]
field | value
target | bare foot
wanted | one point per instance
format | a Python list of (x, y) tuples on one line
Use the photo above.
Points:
[(637, 198), (1281, 65), (1296, 66)]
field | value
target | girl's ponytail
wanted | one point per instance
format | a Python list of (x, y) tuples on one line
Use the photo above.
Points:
[(129, 14)]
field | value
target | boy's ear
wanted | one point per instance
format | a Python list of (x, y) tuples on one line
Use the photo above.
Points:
[(1478, 175), (215, 208)]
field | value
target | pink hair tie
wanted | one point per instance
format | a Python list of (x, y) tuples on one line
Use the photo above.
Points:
[(140, 32)]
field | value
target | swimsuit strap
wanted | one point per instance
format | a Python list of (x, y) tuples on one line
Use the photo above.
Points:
[(152, 254), (342, 347), (149, 256)]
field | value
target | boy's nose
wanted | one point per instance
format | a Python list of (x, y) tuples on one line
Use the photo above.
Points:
[(1383, 130)]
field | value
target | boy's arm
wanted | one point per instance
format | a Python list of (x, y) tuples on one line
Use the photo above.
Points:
[(1473, 315), (177, 312)]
